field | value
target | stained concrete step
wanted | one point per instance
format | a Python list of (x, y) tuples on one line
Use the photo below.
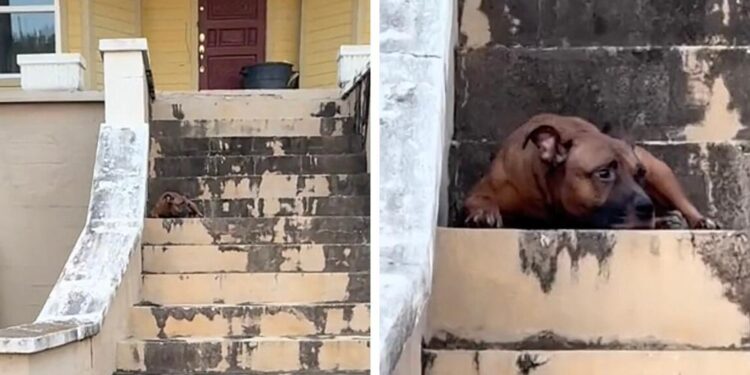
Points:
[(255, 288), (586, 362), (233, 372), (238, 146), (255, 258), (255, 355), (259, 231), (226, 166), (212, 127), (605, 22), (273, 207), (715, 176), (589, 290), (262, 186), (349, 319), (247, 104), (648, 93)]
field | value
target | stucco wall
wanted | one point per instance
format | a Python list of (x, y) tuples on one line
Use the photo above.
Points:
[(416, 120), (47, 154)]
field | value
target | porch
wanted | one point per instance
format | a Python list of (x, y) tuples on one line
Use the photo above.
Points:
[(194, 44)]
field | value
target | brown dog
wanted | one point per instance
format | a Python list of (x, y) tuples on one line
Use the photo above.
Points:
[(562, 172), (173, 205)]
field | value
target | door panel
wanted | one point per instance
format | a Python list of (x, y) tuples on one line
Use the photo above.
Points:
[(234, 33)]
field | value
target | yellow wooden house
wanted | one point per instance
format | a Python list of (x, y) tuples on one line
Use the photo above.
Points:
[(190, 41)]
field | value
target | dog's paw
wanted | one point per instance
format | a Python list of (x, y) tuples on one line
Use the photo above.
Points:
[(707, 224), (485, 218), (671, 221)]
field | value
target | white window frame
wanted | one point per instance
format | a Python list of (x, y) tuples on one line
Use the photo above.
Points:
[(54, 8)]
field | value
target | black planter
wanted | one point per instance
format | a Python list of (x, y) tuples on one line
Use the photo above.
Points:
[(270, 75)]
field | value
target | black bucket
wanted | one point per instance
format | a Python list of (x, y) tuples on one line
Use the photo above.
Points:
[(270, 75)]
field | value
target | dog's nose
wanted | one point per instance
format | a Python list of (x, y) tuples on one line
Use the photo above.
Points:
[(644, 207)]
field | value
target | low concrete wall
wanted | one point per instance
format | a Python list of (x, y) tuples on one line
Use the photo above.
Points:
[(47, 153), (416, 122)]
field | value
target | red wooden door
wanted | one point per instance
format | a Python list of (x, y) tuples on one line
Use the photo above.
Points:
[(233, 34)]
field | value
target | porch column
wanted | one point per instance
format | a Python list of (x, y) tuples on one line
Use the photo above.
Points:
[(126, 93)]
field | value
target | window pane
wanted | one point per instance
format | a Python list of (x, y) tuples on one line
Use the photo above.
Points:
[(22, 33), (26, 2)]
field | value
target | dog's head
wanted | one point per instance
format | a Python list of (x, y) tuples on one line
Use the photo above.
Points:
[(597, 181), (173, 205)]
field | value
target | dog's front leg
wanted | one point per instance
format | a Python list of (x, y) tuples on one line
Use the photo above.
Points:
[(663, 187), (482, 208), (193, 209)]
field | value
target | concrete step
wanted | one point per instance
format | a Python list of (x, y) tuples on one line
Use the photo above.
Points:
[(715, 176), (255, 288), (234, 321), (262, 186), (255, 355), (256, 258), (637, 362), (605, 22), (647, 93), (233, 372), (200, 166), (238, 146), (247, 104), (589, 290), (274, 207), (212, 127), (258, 231)]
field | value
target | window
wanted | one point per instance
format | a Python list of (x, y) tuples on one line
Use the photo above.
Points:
[(26, 26)]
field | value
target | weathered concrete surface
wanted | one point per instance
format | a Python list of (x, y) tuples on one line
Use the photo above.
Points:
[(340, 319), (259, 231), (266, 186), (715, 176), (263, 127), (256, 258), (276, 277), (669, 93), (587, 362), (417, 40), (254, 288), (246, 355), (563, 290), (410, 361), (272, 207), (221, 165), (247, 104), (604, 22), (47, 155), (181, 146)]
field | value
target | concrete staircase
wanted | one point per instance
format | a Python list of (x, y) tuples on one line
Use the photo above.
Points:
[(275, 278), (509, 302)]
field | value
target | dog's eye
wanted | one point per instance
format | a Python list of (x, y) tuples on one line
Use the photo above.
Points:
[(605, 174), (640, 174)]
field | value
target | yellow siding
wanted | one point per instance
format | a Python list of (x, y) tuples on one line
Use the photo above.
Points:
[(326, 25), (72, 16), (172, 32), (112, 19), (363, 22), (282, 33)]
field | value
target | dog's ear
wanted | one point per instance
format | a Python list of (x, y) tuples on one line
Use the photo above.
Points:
[(551, 148)]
